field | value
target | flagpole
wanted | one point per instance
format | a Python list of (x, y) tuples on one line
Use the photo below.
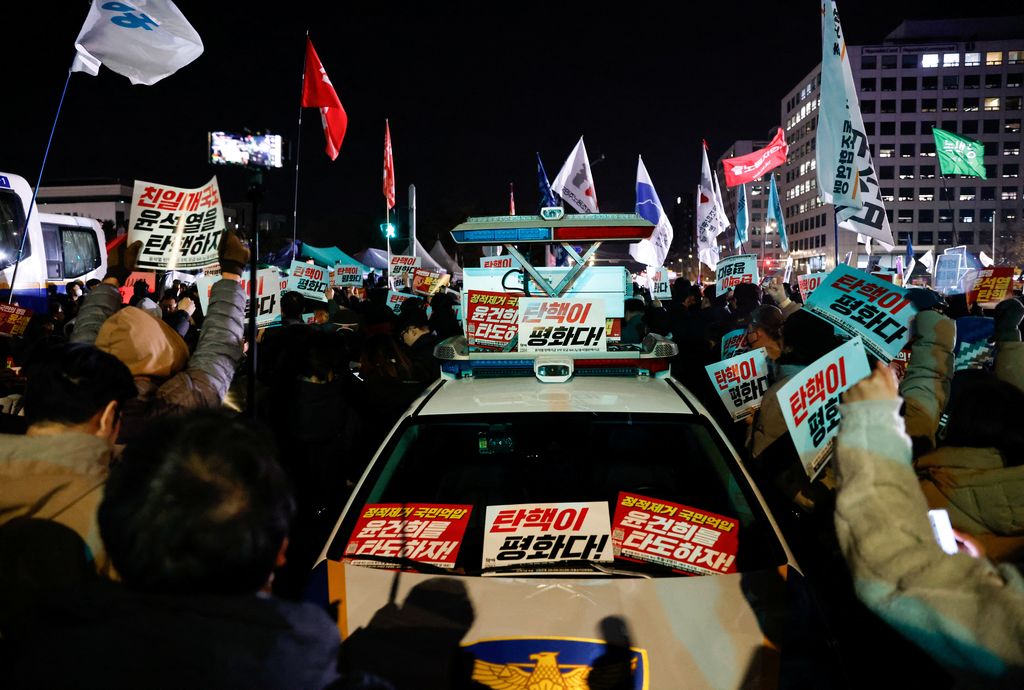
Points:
[(952, 220), (298, 149)]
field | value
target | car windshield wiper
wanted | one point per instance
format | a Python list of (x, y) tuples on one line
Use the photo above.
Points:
[(402, 562), (531, 568)]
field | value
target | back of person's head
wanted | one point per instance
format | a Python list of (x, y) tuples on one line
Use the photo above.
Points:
[(140, 288), (144, 342), (412, 318), (711, 292), (984, 412), (680, 289), (769, 319), (806, 338), (748, 296), (292, 304), (198, 505), (70, 384), (634, 306), (92, 283), (382, 358)]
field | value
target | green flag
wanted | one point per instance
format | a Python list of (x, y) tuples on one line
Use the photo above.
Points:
[(959, 155)]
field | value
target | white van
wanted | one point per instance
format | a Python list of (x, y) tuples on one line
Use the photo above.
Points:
[(59, 250)]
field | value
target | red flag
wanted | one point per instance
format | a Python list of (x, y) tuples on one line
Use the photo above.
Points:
[(389, 168), (753, 165), (318, 92), (511, 200)]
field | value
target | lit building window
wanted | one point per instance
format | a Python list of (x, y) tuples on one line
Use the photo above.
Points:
[(972, 59), (951, 60), (994, 57), (932, 60), (1014, 57), (992, 103)]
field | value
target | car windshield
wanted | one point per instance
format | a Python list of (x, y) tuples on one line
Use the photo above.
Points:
[(539, 458)]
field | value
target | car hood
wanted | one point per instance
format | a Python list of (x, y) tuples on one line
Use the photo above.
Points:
[(720, 631)]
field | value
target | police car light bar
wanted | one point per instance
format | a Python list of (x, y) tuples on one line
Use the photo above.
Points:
[(588, 227)]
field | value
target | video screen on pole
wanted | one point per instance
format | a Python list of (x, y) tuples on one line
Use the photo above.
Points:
[(254, 150)]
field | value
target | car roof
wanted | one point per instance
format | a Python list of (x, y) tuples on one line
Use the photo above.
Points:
[(639, 394)]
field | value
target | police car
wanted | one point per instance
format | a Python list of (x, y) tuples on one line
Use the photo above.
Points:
[(556, 511)]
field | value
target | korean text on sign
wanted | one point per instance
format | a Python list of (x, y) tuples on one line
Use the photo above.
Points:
[(428, 283), (404, 265), (561, 325), (662, 288), (14, 320), (809, 283), (348, 275), (309, 280), (268, 294), (734, 342), (395, 300), (810, 401), (865, 305), (993, 285), (741, 381), (179, 228), (675, 535), (734, 270), (499, 262), (492, 320), (422, 532), (546, 532)]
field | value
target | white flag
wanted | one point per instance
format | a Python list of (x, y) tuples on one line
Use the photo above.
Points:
[(985, 260), (574, 182), (709, 221), (908, 271), (928, 261), (144, 40), (723, 221), (846, 174), (651, 252)]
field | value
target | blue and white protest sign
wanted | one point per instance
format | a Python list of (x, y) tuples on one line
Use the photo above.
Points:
[(734, 342), (865, 305), (661, 286), (948, 271), (309, 280), (810, 402), (348, 274), (733, 270), (268, 294), (741, 382)]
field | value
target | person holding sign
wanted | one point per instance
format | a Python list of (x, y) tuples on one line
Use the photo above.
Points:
[(966, 613)]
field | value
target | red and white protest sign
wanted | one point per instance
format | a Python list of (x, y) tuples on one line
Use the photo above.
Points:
[(741, 381), (179, 228), (809, 283), (427, 282), (661, 286), (309, 280), (14, 320), (268, 294), (506, 262), (992, 286), (810, 401), (404, 265), (546, 532), (675, 535), (492, 320), (559, 324), (128, 289), (754, 165), (348, 275), (422, 532), (865, 305), (734, 270)]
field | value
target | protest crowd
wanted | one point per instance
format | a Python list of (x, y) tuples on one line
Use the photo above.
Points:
[(150, 531)]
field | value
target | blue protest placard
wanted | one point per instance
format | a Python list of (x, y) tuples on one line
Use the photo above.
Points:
[(734, 342), (741, 381), (861, 304)]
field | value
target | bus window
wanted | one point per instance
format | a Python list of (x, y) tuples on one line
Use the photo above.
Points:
[(12, 222)]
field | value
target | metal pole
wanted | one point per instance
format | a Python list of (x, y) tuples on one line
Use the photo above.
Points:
[(412, 216), (952, 218), (387, 220), (255, 193), (298, 148), (35, 192), (993, 237)]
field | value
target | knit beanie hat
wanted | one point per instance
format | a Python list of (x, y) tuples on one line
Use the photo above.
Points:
[(146, 345)]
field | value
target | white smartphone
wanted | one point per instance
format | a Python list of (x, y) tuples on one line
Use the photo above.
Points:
[(943, 530)]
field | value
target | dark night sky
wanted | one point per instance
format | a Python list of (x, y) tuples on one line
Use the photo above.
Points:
[(472, 91)]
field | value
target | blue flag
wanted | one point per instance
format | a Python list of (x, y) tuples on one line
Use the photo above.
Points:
[(910, 251), (742, 217), (547, 197), (775, 211)]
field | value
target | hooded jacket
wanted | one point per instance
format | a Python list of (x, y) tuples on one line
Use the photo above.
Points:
[(169, 382), (56, 477)]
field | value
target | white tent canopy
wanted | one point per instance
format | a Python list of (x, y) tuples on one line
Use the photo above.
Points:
[(374, 258), (442, 257)]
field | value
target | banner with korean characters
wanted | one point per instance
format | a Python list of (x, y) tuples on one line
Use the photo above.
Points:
[(992, 286), (949, 272), (180, 228), (809, 283), (558, 324), (348, 275), (14, 320), (734, 270), (810, 401), (865, 305), (427, 282), (127, 290), (734, 342), (395, 300), (681, 537), (492, 320), (506, 262), (741, 381), (422, 532), (662, 286), (268, 294), (403, 266), (541, 533), (309, 280)]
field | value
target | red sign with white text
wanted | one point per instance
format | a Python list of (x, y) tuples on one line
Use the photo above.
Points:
[(421, 532), (675, 535), (754, 165), (14, 320), (491, 320), (993, 285)]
